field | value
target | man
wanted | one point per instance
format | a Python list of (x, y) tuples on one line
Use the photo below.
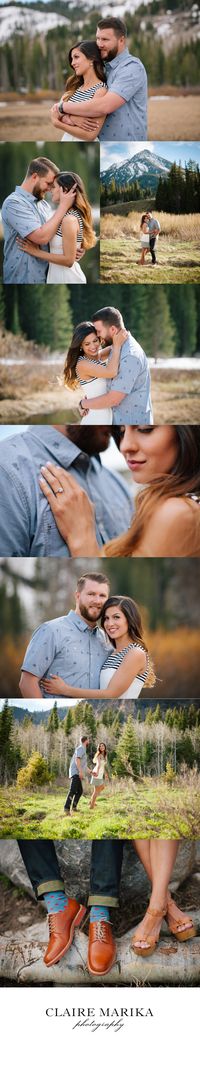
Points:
[(154, 229), (73, 646), (26, 213), (65, 913), (27, 524), (78, 769), (130, 391), (125, 103)]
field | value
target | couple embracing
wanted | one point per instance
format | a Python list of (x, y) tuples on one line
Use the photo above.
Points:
[(110, 366), (44, 242), (74, 656)]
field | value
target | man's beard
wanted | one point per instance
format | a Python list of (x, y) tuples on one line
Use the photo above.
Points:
[(37, 192), (111, 55), (87, 615)]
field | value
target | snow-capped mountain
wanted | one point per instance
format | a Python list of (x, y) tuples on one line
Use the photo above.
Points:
[(145, 166), (24, 20)]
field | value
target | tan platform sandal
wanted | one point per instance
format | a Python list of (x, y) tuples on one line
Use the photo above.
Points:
[(151, 941), (174, 924)]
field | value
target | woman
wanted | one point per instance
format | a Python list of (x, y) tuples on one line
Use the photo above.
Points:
[(144, 237), (158, 858), (99, 773), (88, 80), (166, 523), (127, 668), (88, 365), (74, 234)]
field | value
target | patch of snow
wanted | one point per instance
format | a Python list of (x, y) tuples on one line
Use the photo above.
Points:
[(19, 20)]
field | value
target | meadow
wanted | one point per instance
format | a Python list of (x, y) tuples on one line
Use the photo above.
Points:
[(22, 118), (149, 807), (177, 250)]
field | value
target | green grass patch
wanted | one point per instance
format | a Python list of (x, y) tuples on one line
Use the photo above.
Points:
[(178, 261), (151, 808)]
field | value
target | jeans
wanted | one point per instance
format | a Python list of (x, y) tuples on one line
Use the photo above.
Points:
[(152, 242), (75, 792), (42, 865)]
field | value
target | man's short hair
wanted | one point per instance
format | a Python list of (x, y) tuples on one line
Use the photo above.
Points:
[(110, 316), (40, 166), (110, 23), (100, 578), (84, 738)]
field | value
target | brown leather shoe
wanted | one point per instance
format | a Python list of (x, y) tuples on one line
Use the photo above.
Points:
[(61, 931), (101, 949)]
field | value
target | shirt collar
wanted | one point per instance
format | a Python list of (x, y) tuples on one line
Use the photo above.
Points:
[(63, 450), (26, 194), (121, 56), (80, 623)]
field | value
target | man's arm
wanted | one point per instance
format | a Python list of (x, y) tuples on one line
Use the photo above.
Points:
[(15, 521), (107, 104), (78, 764), (43, 234), (29, 685), (112, 398)]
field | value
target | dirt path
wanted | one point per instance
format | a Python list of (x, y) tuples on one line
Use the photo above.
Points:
[(170, 119)]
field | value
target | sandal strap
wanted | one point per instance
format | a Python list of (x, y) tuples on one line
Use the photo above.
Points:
[(156, 912)]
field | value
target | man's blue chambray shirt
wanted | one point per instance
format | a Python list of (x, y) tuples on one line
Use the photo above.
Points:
[(134, 380), (126, 76), (68, 647), (27, 525), (22, 213)]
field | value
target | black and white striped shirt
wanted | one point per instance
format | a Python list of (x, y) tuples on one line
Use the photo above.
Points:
[(87, 94), (73, 212), (115, 659), (84, 383)]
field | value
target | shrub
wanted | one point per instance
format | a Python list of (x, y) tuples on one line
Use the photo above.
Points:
[(36, 772)]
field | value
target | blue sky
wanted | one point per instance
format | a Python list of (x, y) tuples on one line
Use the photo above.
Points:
[(172, 150)]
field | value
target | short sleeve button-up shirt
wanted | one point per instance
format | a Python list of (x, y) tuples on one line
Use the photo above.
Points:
[(127, 77), (22, 213), (134, 380), (27, 525), (68, 647)]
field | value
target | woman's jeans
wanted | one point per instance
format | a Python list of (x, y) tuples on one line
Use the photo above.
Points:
[(42, 865)]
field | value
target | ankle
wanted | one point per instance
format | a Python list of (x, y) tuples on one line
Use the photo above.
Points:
[(99, 913)]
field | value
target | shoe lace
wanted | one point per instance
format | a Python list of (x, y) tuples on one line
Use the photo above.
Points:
[(100, 932), (52, 924)]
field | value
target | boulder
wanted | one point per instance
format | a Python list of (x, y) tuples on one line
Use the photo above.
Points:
[(74, 859)]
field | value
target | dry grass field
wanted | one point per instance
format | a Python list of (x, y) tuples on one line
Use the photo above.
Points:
[(177, 250), (172, 116)]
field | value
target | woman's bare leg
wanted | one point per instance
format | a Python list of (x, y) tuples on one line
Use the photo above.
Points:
[(95, 794), (158, 858)]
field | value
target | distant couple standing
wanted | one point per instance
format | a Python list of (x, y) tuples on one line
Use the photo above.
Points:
[(149, 231), (74, 656), (115, 378), (43, 243), (106, 97)]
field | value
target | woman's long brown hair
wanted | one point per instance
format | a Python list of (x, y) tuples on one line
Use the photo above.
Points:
[(92, 52), (66, 179), (135, 628), (75, 350), (183, 480)]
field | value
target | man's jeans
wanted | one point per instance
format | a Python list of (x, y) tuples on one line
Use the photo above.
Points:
[(75, 793), (152, 242), (41, 863)]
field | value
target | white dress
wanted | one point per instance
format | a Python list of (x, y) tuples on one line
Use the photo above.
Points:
[(58, 273), (144, 239), (80, 96), (112, 663), (94, 388)]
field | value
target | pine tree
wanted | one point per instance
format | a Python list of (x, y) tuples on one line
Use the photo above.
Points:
[(127, 752), (53, 720)]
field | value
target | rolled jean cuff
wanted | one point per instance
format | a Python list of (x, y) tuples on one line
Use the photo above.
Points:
[(49, 887), (101, 899)]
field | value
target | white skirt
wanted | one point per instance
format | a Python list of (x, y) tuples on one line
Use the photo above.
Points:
[(59, 274)]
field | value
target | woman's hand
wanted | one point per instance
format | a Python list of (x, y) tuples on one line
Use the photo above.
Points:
[(120, 337), (28, 247), (74, 513), (56, 685)]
